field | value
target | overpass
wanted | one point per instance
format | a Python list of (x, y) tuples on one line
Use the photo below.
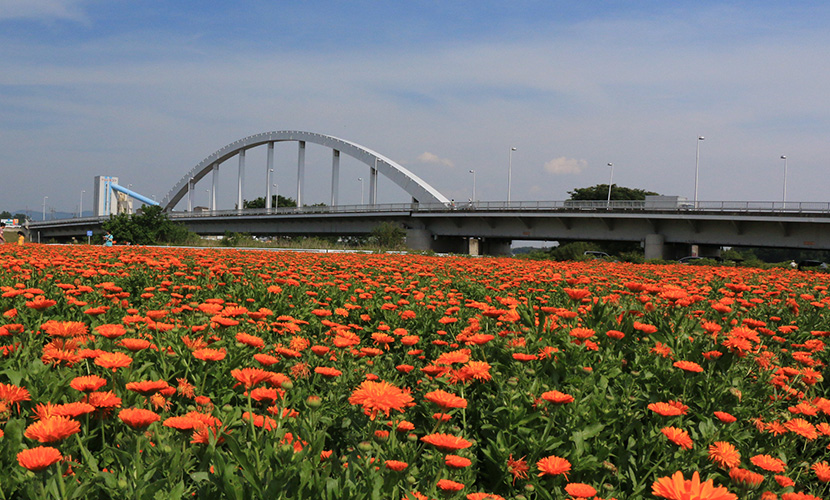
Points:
[(489, 227), (666, 229)]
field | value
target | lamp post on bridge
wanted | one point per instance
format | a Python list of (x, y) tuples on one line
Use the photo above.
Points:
[(44, 207), (361, 189), (784, 199), (276, 194), (474, 185), (697, 165), (610, 183), (509, 171), (81, 204)]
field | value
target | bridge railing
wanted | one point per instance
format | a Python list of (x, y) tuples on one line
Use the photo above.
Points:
[(690, 207)]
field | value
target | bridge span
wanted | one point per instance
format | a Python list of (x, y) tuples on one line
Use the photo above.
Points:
[(490, 227)]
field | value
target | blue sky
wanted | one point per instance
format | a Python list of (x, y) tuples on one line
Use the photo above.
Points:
[(144, 90)]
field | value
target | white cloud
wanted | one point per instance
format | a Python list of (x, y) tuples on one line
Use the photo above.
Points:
[(427, 157), (565, 166), (41, 9)]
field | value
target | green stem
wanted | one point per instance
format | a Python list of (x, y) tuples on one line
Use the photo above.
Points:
[(61, 484)]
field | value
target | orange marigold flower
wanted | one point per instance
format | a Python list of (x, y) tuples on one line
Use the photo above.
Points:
[(250, 377), (582, 333), (64, 328), (580, 490), (103, 401), (689, 366), (665, 409), (87, 383), (110, 331), (138, 418), (768, 463), (798, 495), (396, 465), (52, 429), (457, 462), (72, 410), (36, 459), (11, 394), (484, 496), (724, 454), (802, 427), (40, 303), (725, 417), (250, 340), (518, 468), (478, 370), (557, 397), (784, 481), (576, 294), (381, 396), (328, 371), (266, 359), (822, 470), (445, 400), (678, 436), (134, 344), (453, 357), (446, 442), (745, 477), (678, 488), (208, 354), (113, 360), (447, 485), (147, 387), (553, 466)]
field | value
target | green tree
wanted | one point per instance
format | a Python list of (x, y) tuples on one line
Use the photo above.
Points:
[(276, 200), (147, 227), (600, 192), (388, 235)]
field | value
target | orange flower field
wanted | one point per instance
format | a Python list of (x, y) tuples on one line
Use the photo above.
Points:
[(169, 373)]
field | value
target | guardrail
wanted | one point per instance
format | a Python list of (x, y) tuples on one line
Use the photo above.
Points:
[(754, 207)]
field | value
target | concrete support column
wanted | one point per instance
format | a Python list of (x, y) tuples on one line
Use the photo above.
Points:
[(335, 176), (190, 192), (268, 168), (300, 172), (474, 246), (373, 183), (213, 185), (419, 239), (240, 181), (654, 246)]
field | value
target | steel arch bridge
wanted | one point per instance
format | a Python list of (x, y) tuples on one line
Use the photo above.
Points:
[(409, 182)]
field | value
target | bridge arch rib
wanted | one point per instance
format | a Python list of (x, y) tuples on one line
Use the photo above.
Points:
[(409, 182)]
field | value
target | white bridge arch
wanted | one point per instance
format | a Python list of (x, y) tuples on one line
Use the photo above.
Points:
[(409, 182)]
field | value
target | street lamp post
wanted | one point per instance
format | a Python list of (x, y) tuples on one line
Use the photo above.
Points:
[(610, 183), (509, 171), (44, 207), (697, 165), (276, 194), (361, 189), (81, 204), (784, 157), (474, 185)]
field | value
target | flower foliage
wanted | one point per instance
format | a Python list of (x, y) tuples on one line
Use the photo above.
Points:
[(150, 372)]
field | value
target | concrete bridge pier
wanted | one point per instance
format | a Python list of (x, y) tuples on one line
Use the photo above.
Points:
[(419, 239), (655, 247)]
